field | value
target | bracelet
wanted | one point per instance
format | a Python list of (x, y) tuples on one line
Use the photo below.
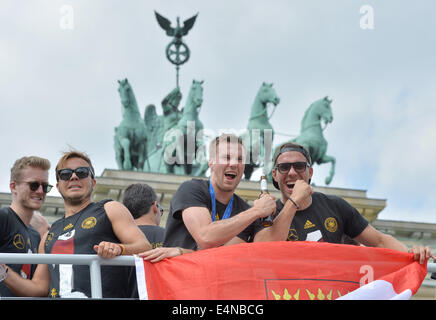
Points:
[(3, 273), (180, 250), (295, 204), (122, 248)]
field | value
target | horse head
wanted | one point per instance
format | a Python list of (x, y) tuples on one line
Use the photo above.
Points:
[(195, 97), (323, 109), (124, 91), (267, 94)]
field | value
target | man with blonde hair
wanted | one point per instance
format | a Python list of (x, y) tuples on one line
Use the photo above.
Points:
[(29, 187), (106, 228)]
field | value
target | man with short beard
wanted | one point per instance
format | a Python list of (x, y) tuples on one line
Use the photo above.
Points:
[(29, 187), (322, 217), (106, 228)]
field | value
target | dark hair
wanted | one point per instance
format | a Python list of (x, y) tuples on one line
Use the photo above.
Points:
[(138, 198), (291, 146)]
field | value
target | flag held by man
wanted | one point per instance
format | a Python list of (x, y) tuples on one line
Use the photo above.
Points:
[(282, 271)]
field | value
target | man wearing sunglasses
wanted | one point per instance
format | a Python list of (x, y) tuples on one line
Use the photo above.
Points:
[(206, 214), (29, 186), (323, 217), (106, 228)]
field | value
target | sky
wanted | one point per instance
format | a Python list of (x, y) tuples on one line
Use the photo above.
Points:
[(60, 61)]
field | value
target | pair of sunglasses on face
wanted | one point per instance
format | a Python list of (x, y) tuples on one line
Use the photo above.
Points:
[(34, 185), (285, 167), (81, 173), (161, 210)]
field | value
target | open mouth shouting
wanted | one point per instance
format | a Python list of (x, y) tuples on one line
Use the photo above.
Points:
[(230, 176), (290, 185)]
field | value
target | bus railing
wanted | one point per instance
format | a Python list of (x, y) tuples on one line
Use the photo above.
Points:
[(92, 260)]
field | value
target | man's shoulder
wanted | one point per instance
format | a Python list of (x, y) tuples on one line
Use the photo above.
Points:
[(5, 220), (327, 197), (103, 203), (192, 188), (191, 193), (194, 183), (5, 210), (6, 213), (332, 200), (107, 205)]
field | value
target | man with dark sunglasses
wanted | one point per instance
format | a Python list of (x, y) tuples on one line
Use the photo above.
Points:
[(323, 217), (106, 228), (29, 186)]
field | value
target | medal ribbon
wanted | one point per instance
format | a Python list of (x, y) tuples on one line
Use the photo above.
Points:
[(215, 216)]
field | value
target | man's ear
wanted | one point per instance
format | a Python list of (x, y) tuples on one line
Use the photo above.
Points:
[(12, 186), (155, 208), (310, 173), (274, 174)]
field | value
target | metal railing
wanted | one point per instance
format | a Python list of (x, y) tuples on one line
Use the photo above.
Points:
[(92, 260)]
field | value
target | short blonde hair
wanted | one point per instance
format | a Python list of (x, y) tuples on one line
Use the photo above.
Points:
[(26, 162), (73, 154), (223, 138)]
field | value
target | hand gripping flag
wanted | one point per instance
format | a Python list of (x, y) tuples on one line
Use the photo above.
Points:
[(282, 271)]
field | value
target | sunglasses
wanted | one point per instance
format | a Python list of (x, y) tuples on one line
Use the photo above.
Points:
[(161, 210), (34, 185), (81, 173), (286, 166)]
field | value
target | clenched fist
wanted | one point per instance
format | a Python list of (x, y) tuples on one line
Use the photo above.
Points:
[(266, 205)]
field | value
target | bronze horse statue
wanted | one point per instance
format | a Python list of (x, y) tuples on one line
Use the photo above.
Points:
[(130, 136), (311, 133), (260, 134)]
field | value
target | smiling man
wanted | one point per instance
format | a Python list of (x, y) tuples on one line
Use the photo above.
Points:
[(29, 187), (106, 228), (324, 217), (207, 213)]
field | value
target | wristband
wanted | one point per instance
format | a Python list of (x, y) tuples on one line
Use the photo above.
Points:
[(3, 273), (295, 204), (122, 248), (180, 250)]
